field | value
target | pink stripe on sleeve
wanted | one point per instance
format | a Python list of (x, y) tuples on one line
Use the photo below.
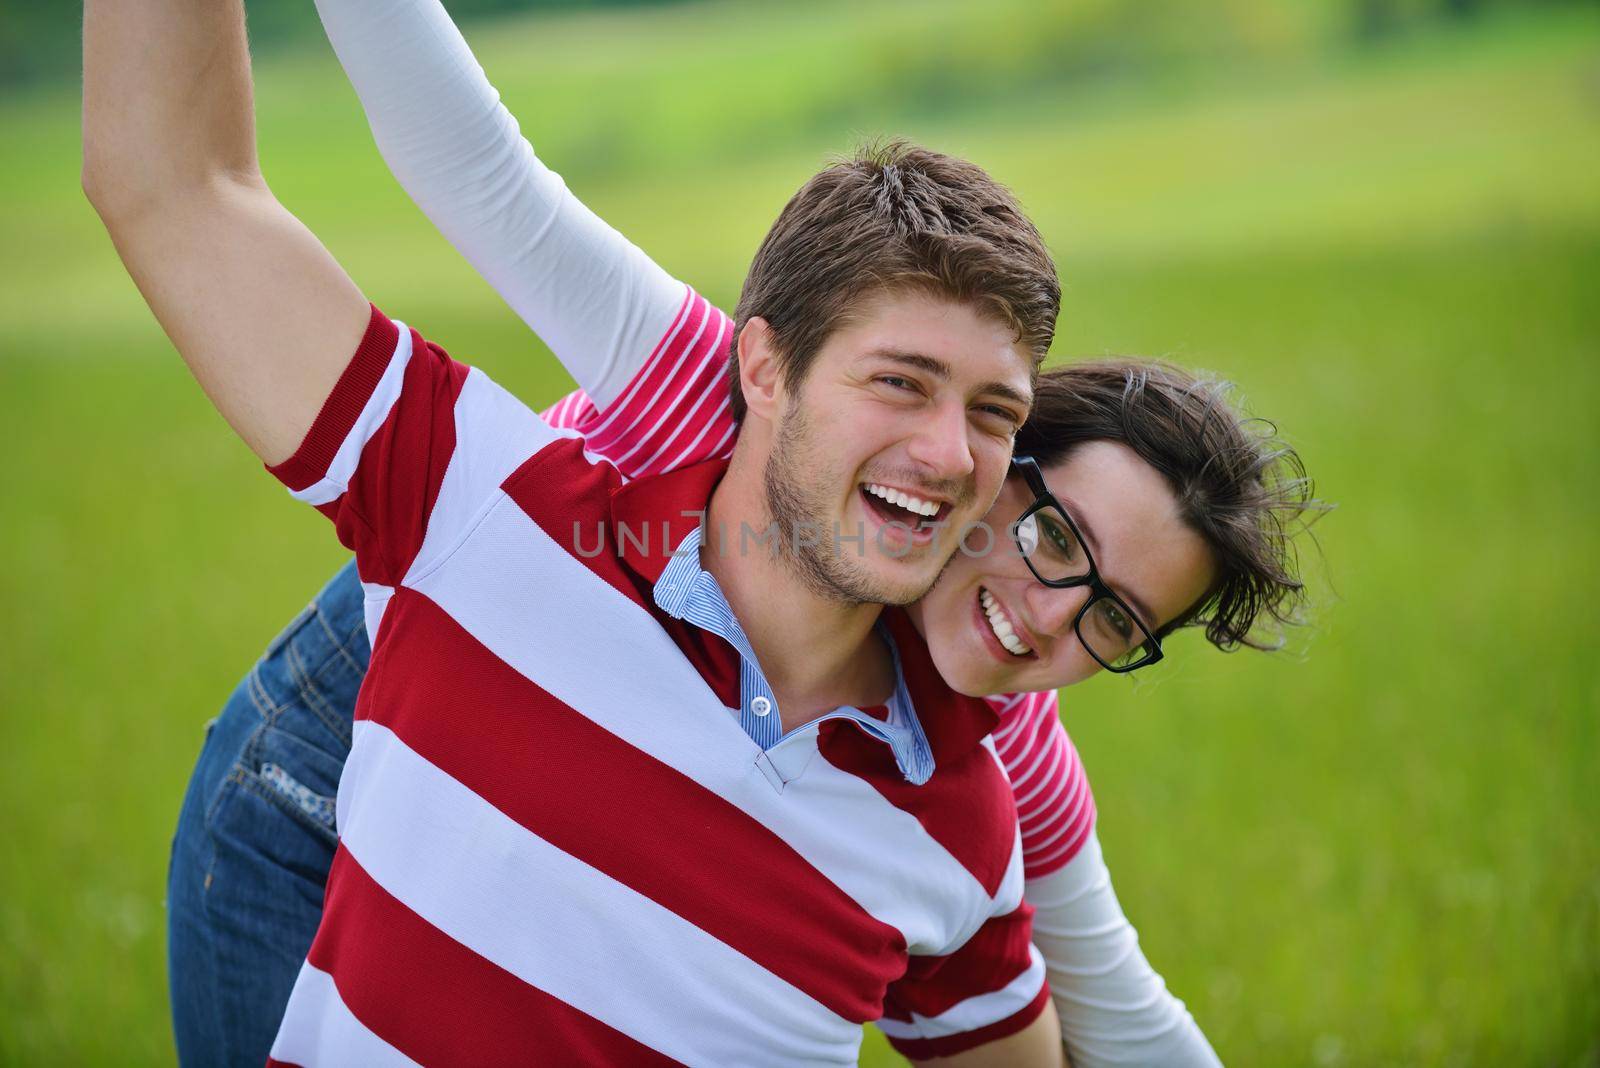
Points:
[(644, 388), (675, 411), (570, 411), (695, 410), (1055, 807)]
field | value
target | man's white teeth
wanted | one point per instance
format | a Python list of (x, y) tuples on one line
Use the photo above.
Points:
[(1001, 625), (904, 500)]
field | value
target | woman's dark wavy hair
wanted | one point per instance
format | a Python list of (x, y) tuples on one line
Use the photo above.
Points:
[(1239, 486)]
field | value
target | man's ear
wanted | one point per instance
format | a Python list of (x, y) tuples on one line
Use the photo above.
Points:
[(760, 376)]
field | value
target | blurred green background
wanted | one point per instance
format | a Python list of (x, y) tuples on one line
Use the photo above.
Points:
[(1382, 219)]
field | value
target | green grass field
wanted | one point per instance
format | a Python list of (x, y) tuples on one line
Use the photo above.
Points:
[(1380, 847)]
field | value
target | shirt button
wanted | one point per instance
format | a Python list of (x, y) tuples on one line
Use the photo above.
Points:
[(761, 706)]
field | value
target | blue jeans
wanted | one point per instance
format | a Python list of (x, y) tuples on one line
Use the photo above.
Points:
[(255, 836)]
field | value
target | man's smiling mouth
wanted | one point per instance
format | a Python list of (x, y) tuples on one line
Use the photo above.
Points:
[(919, 515)]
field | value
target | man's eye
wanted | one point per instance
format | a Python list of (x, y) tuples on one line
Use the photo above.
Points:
[(997, 414), (897, 382)]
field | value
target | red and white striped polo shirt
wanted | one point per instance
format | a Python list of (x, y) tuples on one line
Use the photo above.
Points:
[(554, 840), (674, 412)]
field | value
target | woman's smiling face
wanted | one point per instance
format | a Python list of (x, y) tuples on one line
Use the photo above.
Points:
[(1142, 547)]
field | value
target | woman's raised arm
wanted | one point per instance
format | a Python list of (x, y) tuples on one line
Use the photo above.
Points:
[(600, 303)]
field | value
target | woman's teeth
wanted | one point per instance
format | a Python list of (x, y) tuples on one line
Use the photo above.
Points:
[(904, 500), (1001, 625)]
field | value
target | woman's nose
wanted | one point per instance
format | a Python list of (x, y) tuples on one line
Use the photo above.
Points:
[(1052, 609)]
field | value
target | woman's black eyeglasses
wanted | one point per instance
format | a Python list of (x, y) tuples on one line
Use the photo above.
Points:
[(1058, 556)]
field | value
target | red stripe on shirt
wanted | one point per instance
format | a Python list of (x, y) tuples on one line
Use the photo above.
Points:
[(569, 498), (343, 406), (402, 467), (382, 515), (961, 807), (468, 1011), (966, 807), (597, 798), (997, 954), (927, 1049)]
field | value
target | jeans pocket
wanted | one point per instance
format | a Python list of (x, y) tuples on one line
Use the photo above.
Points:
[(319, 808), (304, 806)]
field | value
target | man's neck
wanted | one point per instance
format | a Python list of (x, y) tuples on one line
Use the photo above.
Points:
[(816, 652)]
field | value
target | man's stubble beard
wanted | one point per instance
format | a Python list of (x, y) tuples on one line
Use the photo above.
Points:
[(795, 505)]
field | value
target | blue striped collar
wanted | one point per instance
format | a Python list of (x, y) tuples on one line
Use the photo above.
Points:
[(688, 592)]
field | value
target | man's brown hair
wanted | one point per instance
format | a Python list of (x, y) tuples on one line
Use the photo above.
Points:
[(1238, 485), (894, 217)]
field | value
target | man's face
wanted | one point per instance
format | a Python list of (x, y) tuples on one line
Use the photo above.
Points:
[(898, 436)]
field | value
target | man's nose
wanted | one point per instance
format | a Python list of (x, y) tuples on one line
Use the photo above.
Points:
[(941, 443)]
